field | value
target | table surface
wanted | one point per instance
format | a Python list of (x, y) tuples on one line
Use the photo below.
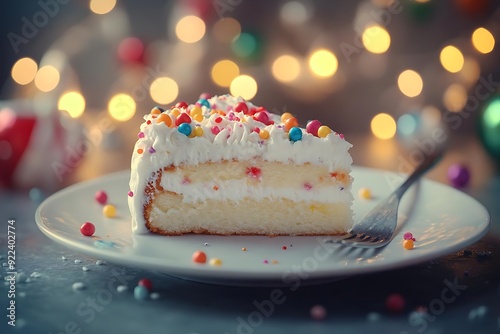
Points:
[(48, 303)]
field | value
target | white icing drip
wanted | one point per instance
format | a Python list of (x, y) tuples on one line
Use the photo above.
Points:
[(236, 140)]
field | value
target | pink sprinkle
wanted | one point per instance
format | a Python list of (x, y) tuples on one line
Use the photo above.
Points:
[(140, 135), (308, 186), (266, 262), (130, 193), (318, 312), (408, 236), (256, 130), (215, 130), (152, 150), (186, 181), (341, 136)]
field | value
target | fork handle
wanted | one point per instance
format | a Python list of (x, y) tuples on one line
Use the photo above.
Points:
[(421, 169)]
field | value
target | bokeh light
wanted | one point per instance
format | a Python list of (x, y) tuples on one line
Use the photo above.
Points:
[(286, 68), (407, 124), (471, 70), (102, 6), (190, 29), (227, 30), (383, 126), (451, 58), (295, 13), (431, 115), (47, 78), (24, 71), (73, 103), (455, 97), (376, 39), (244, 86), (410, 83), (323, 63), (483, 40), (245, 45), (121, 107), (164, 90), (492, 114), (224, 71)]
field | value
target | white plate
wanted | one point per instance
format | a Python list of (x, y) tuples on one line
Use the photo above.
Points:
[(442, 219)]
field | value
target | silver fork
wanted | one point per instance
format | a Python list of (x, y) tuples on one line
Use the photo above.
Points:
[(377, 228)]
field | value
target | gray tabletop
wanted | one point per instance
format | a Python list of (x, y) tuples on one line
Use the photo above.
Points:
[(46, 301)]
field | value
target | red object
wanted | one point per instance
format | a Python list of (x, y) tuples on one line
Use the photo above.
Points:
[(146, 283), (131, 51), (181, 104), (283, 247), (255, 172), (395, 303), (199, 257), (218, 120), (313, 126), (241, 107), (101, 197), (261, 116), (87, 229), (183, 118)]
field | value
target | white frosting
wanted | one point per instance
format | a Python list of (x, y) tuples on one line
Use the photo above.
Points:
[(236, 140)]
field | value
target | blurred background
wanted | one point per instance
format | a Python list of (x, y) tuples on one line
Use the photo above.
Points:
[(397, 77)]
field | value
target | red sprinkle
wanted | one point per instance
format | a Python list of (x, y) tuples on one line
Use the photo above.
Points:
[(199, 257), (215, 130), (181, 104), (241, 106), (148, 122), (183, 118), (261, 116), (283, 247), (308, 186), (395, 303), (101, 197), (87, 229), (256, 129), (255, 172), (130, 193), (218, 120), (146, 283)]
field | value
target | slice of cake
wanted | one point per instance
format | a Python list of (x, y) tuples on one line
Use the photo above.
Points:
[(225, 166)]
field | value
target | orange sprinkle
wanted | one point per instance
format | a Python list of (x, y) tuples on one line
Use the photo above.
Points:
[(216, 188), (155, 111), (176, 112), (285, 116), (140, 151), (199, 257), (263, 134), (244, 249), (164, 118), (290, 123), (408, 244), (222, 113), (274, 261)]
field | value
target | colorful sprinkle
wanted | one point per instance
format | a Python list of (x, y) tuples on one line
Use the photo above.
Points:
[(164, 118), (130, 193), (218, 120), (140, 134), (458, 175), (146, 283), (204, 102), (264, 134), (215, 262), (285, 116), (409, 236), (318, 312), (295, 134), (215, 130), (151, 150), (324, 131), (290, 123), (365, 193), (262, 117), (308, 186), (254, 172), (241, 107), (408, 244), (244, 249), (198, 131), (176, 112), (266, 261), (109, 211), (184, 128), (156, 110), (101, 197), (87, 229), (182, 119), (181, 105), (199, 257), (205, 96), (274, 261), (312, 127), (141, 293), (196, 110), (140, 151), (283, 247), (198, 117)]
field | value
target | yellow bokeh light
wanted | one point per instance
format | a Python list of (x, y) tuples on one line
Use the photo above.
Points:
[(455, 97), (286, 68), (224, 72), (376, 39), (227, 30), (244, 86), (121, 107), (164, 90), (73, 103), (452, 59), (323, 63), (24, 71), (47, 78), (471, 70), (410, 83), (483, 40), (383, 126), (102, 6), (190, 29)]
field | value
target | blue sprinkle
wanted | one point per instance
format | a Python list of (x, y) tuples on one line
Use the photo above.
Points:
[(36, 195), (204, 102), (295, 134), (185, 128), (141, 293), (104, 244)]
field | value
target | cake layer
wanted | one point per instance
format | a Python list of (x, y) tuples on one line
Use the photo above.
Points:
[(168, 214)]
